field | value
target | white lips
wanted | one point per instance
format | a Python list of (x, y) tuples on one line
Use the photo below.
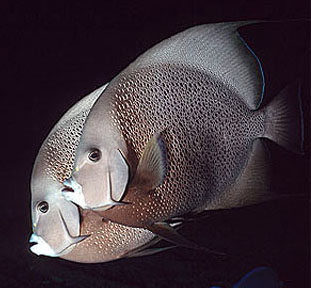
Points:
[(76, 196), (42, 247)]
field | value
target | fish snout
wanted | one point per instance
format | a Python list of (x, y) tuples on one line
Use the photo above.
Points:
[(73, 192), (41, 247), (72, 185)]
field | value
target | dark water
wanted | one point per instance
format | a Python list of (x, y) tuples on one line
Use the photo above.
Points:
[(52, 55)]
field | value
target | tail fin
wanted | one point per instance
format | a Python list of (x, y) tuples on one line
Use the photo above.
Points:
[(284, 119)]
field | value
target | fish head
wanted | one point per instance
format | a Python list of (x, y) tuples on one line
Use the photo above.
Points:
[(55, 221), (99, 180), (101, 172)]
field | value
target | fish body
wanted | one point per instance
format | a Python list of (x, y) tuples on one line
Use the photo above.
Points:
[(199, 93), (60, 228)]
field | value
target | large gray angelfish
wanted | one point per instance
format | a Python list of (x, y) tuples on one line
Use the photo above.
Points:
[(60, 229), (180, 130)]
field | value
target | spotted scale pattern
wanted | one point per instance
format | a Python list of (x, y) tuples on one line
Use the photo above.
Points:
[(61, 146), (108, 241), (206, 128)]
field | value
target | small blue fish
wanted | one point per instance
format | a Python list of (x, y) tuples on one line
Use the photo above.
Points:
[(260, 277)]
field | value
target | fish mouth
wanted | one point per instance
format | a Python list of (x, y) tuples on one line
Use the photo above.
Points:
[(73, 192), (71, 185), (68, 189), (41, 247)]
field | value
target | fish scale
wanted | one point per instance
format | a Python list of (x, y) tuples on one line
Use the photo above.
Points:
[(108, 241), (60, 147), (201, 119)]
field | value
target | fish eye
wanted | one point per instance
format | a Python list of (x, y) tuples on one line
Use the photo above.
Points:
[(43, 206), (94, 155)]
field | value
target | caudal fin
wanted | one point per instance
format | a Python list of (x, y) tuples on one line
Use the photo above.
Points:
[(284, 119)]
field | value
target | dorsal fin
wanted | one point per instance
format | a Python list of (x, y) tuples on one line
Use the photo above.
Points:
[(216, 49)]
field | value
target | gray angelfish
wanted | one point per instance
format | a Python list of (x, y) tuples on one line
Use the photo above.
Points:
[(181, 129), (55, 220)]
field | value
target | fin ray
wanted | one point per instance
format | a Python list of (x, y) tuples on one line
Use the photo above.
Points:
[(284, 119), (169, 234), (151, 166), (149, 251)]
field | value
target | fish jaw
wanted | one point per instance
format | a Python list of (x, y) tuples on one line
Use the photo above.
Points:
[(75, 194), (42, 247)]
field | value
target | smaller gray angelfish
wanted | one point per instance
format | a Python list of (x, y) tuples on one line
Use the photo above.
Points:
[(55, 220), (180, 130), (60, 228)]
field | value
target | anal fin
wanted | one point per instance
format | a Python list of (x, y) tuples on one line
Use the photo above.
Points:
[(144, 250), (170, 234), (148, 252)]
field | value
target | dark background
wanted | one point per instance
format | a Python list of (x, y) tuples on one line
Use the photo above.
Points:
[(53, 54)]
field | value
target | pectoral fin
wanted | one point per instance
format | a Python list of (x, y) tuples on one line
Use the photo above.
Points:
[(108, 205), (169, 234), (151, 167)]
